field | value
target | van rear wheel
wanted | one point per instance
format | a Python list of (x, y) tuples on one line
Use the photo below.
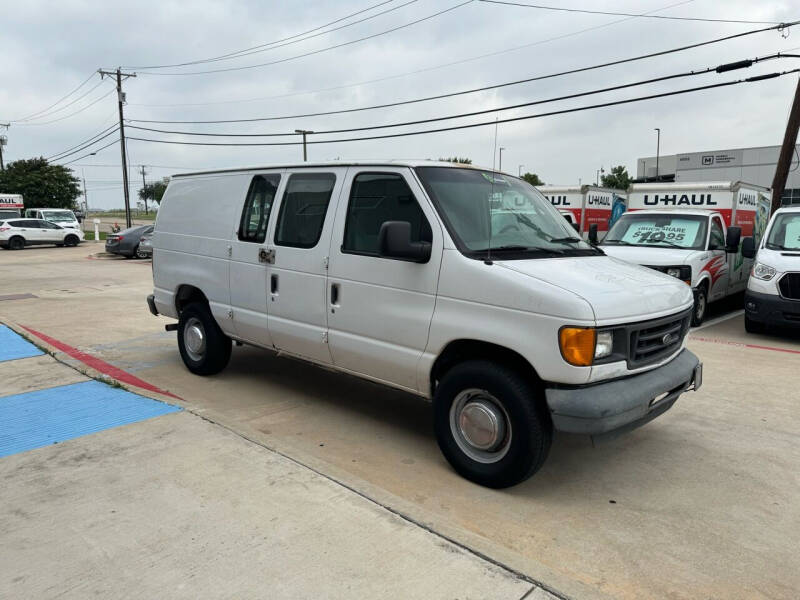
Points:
[(491, 424), (204, 348)]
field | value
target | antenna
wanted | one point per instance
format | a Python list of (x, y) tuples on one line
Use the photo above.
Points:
[(488, 260)]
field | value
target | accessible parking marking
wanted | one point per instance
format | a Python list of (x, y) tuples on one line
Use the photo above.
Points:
[(13, 346), (36, 419)]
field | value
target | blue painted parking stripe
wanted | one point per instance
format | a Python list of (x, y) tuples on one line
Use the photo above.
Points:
[(14, 346), (35, 419)]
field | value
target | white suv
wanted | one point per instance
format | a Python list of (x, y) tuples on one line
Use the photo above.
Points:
[(15, 234), (454, 283)]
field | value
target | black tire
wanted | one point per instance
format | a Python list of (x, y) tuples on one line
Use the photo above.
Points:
[(751, 326), (138, 254), (700, 305), (528, 434), (210, 356), (16, 243), (71, 240)]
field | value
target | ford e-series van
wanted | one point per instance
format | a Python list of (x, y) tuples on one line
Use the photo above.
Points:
[(459, 284)]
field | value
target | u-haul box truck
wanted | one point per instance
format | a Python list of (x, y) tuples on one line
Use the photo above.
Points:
[(10, 206), (692, 231), (583, 206)]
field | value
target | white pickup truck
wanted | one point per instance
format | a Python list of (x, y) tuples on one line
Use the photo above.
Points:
[(691, 231), (458, 284)]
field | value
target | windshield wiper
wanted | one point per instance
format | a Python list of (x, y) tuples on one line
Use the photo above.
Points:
[(623, 242), (520, 248), (669, 243), (564, 240)]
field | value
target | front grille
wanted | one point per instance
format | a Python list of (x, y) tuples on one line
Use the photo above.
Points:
[(790, 286), (651, 341)]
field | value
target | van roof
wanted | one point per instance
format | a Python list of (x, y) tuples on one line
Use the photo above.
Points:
[(681, 211), (727, 186), (578, 189), (399, 162)]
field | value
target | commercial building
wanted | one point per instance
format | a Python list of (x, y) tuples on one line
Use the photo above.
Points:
[(753, 165)]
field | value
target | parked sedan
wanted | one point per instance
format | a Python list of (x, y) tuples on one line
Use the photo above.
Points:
[(15, 234), (127, 241)]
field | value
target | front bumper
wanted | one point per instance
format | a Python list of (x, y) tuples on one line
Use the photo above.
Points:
[(614, 407), (771, 309)]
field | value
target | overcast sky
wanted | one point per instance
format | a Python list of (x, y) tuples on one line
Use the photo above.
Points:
[(49, 48)]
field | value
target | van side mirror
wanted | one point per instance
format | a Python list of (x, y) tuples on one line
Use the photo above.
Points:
[(394, 241), (749, 247), (593, 234), (733, 236)]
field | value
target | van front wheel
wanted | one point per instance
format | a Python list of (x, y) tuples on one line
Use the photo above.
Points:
[(204, 348), (491, 424)]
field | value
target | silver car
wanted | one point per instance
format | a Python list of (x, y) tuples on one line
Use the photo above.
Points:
[(145, 249)]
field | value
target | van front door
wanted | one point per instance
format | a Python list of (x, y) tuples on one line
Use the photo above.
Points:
[(297, 262), (380, 308), (717, 266)]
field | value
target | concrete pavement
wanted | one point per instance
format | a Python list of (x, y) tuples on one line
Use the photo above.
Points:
[(699, 503)]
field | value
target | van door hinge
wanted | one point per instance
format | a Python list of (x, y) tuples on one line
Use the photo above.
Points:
[(324, 337), (325, 262), (230, 313), (230, 250)]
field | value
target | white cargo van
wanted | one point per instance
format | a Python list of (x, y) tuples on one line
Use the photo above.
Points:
[(773, 290), (583, 205), (11, 206), (60, 216), (455, 283), (692, 231)]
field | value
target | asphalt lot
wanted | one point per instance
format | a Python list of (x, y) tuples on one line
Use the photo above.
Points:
[(702, 502)]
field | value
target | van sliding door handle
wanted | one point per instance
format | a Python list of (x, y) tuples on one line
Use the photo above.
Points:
[(335, 294), (273, 284)]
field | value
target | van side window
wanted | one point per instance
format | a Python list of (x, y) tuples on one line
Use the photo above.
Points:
[(257, 206), (302, 214), (374, 199), (717, 239)]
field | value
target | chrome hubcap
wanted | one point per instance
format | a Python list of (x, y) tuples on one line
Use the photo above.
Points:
[(701, 306), (194, 339), (480, 426)]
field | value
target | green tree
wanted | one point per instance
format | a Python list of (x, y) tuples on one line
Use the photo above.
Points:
[(41, 184), (462, 160), (533, 179), (617, 179), (154, 191)]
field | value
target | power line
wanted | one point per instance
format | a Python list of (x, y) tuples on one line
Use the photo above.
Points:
[(66, 154), (57, 102), (469, 91), (719, 69), (424, 70), (320, 50), (97, 150), (81, 143), (624, 14), (485, 123), (69, 115), (286, 41), (60, 108)]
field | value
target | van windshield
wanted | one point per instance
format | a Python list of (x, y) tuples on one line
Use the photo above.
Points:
[(785, 232), (496, 215), (58, 216), (646, 229)]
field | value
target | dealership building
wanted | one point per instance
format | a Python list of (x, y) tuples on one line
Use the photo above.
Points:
[(753, 165)]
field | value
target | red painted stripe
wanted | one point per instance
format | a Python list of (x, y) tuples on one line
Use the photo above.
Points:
[(743, 345), (100, 365)]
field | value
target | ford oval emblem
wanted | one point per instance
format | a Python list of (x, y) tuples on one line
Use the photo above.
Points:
[(669, 338)]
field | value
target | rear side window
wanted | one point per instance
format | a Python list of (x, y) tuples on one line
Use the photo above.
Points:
[(374, 199), (257, 207), (302, 214), (29, 223)]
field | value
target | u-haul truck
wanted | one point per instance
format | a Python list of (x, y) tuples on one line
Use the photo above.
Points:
[(692, 231), (583, 206), (10, 206)]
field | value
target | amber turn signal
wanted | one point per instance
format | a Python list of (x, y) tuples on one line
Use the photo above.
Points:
[(577, 345)]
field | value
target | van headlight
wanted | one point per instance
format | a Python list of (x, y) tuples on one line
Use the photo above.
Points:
[(763, 272), (683, 272), (581, 346)]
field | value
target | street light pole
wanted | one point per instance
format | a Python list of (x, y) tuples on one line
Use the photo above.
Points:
[(597, 173), (304, 132), (519, 170), (658, 149), (500, 167), (3, 142)]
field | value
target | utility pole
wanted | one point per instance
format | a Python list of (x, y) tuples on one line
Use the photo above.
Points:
[(304, 132), (3, 142), (144, 188), (85, 200), (785, 158), (118, 74), (658, 149)]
